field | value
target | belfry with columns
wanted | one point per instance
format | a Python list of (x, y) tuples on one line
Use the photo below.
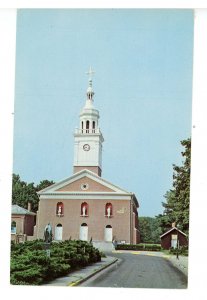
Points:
[(85, 206)]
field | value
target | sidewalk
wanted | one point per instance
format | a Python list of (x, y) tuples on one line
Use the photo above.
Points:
[(76, 277), (181, 263)]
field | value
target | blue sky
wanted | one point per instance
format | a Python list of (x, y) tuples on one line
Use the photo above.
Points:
[(143, 90)]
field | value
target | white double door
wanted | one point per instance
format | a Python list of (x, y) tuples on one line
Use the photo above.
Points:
[(58, 233), (174, 240), (83, 233), (108, 234)]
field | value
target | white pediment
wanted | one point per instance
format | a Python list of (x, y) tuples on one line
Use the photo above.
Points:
[(85, 182)]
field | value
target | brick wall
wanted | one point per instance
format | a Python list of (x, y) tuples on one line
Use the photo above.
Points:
[(93, 186), (96, 219)]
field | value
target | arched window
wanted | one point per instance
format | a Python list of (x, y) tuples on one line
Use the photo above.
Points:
[(94, 126), (84, 209), (59, 209), (87, 126), (82, 126), (13, 227), (108, 210)]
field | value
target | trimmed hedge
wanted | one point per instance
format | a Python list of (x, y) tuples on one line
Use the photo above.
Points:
[(183, 250), (141, 247), (31, 266)]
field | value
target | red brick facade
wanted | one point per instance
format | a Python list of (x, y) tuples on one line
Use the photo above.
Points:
[(99, 193), (23, 224), (91, 186), (96, 170)]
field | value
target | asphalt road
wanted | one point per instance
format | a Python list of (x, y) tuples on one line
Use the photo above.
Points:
[(139, 271)]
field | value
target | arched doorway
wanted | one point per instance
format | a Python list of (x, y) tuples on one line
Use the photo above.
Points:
[(108, 233), (84, 232), (59, 232)]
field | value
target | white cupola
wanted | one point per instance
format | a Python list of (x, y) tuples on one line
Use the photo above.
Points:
[(88, 137), (89, 115)]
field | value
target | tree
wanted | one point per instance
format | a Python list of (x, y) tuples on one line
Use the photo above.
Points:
[(23, 192), (176, 207), (149, 230), (145, 231), (166, 220), (43, 184), (181, 184)]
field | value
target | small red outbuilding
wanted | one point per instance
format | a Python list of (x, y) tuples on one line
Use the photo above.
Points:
[(22, 223), (173, 237)]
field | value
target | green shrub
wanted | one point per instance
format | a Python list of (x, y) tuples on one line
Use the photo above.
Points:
[(30, 264), (102, 254), (139, 247), (183, 250), (56, 268), (152, 247), (31, 276)]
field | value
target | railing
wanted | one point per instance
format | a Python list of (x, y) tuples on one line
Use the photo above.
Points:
[(87, 131)]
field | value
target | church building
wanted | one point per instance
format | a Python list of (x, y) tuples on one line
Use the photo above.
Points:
[(86, 206)]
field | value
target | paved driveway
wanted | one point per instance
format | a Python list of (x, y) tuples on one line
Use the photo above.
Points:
[(137, 269)]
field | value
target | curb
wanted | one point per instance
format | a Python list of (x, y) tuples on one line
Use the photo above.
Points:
[(178, 265), (182, 268), (92, 274)]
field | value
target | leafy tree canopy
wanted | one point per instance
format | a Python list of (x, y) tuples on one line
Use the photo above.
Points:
[(176, 206), (23, 192), (149, 230)]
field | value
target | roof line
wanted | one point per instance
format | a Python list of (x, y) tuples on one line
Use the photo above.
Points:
[(171, 230), (77, 174)]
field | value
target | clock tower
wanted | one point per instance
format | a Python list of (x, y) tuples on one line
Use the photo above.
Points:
[(88, 137)]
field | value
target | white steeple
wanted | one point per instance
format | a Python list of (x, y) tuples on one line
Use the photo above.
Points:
[(89, 115), (88, 137), (90, 92)]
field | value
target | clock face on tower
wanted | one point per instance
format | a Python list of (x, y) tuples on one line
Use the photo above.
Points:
[(86, 147)]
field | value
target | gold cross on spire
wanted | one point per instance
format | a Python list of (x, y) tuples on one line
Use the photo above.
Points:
[(90, 73)]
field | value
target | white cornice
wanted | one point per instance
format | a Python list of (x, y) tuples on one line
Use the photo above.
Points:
[(79, 196), (87, 193)]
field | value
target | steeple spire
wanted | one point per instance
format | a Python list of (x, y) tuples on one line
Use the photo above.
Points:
[(90, 74), (90, 92)]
